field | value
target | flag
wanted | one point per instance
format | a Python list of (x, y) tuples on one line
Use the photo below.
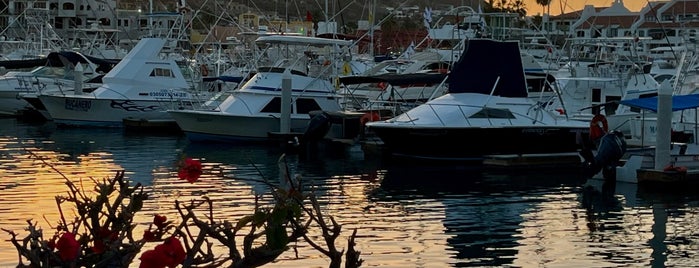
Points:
[(309, 17), (428, 17)]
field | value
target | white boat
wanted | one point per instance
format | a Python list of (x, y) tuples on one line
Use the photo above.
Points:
[(486, 111), (252, 112), (141, 86), (56, 72), (599, 75)]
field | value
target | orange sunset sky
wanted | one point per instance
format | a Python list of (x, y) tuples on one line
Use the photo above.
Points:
[(572, 5)]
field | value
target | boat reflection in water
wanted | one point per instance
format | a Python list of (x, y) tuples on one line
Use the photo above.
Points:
[(406, 214), (548, 219)]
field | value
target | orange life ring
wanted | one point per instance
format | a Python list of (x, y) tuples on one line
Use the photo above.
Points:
[(597, 131), (204, 70), (382, 85), (369, 117)]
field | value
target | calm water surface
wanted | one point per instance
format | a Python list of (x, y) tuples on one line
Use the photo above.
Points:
[(407, 215)]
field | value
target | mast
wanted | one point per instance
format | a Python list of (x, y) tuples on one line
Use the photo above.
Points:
[(372, 11)]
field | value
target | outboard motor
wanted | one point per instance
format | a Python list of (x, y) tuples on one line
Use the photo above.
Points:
[(317, 128), (611, 148)]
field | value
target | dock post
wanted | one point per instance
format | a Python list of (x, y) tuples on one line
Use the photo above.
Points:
[(664, 124), (285, 120), (78, 77)]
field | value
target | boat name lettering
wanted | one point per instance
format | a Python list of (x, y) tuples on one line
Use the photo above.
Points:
[(166, 93), (534, 131), (78, 105)]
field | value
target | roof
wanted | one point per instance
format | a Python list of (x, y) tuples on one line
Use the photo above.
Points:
[(575, 14), (679, 102), (623, 21)]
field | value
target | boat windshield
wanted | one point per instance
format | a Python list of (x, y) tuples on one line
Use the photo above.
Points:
[(52, 72)]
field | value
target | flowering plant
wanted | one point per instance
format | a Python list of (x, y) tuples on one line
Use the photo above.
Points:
[(101, 234)]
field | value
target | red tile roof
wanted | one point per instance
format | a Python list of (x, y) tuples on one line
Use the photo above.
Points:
[(574, 14), (606, 21)]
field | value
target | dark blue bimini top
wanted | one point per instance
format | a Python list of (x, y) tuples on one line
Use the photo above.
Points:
[(679, 102), (482, 62)]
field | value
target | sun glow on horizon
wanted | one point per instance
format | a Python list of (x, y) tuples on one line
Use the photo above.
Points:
[(567, 6)]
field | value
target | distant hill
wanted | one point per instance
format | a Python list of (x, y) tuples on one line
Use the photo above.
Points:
[(297, 8)]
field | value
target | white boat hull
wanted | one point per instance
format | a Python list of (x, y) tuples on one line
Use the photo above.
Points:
[(217, 126), (11, 103), (89, 111)]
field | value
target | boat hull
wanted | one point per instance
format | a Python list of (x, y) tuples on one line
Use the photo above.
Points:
[(221, 127), (89, 111), (11, 103), (476, 143)]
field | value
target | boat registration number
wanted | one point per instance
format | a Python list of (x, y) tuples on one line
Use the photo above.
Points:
[(78, 105)]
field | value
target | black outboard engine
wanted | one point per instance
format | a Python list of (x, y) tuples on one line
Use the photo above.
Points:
[(611, 148), (317, 128)]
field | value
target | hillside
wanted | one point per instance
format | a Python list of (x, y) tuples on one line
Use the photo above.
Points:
[(352, 11)]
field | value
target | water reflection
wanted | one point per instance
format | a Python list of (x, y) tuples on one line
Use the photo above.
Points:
[(406, 214), (139, 154), (482, 208), (664, 221)]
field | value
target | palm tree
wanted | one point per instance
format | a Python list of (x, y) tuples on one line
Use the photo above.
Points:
[(544, 4)]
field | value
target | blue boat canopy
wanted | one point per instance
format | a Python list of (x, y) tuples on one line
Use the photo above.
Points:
[(679, 102)]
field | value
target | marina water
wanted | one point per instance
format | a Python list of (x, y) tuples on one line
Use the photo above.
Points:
[(406, 214)]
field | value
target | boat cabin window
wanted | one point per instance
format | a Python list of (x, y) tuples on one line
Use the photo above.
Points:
[(493, 113), (162, 72), (303, 106), (274, 106), (596, 95)]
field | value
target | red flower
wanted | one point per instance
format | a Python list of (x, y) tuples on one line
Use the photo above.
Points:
[(152, 259), (159, 221), (68, 247), (168, 254), (190, 170)]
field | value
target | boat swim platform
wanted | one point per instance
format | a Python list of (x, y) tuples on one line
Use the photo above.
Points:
[(556, 160)]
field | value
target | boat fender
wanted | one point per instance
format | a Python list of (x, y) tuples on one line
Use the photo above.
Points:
[(598, 127)]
